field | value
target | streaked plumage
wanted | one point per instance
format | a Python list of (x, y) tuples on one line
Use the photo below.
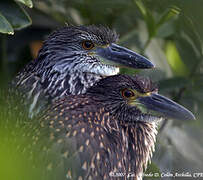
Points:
[(71, 60), (110, 129)]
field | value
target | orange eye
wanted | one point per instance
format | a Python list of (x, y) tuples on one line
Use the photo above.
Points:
[(126, 93), (87, 45)]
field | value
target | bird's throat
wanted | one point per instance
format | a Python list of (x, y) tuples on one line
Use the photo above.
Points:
[(139, 141)]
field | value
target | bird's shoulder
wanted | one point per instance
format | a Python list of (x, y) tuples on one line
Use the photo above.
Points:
[(23, 75), (74, 104), (75, 129)]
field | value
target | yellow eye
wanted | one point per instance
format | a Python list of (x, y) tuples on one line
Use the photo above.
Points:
[(127, 93), (87, 45)]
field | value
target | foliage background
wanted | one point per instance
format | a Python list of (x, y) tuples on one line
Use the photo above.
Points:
[(169, 33)]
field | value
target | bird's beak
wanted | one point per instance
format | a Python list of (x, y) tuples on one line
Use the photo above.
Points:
[(120, 56), (164, 107)]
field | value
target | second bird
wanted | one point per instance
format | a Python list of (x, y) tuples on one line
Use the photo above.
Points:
[(71, 60), (111, 129)]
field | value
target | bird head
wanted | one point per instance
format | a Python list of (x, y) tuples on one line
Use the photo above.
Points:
[(134, 98), (88, 49)]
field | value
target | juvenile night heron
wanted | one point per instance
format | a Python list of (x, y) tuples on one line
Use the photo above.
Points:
[(110, 129), (71, 60)]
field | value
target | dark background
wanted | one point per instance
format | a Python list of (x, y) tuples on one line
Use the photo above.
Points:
[(169, 33)]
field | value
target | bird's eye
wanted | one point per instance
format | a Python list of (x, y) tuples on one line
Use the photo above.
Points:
[(126, 93), (87, 45)]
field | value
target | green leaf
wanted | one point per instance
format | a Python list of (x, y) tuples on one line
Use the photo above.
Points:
[(175, 61), (165, 25), (188, 51), (171, 84), (168, 15), (26, 2), (189, 43), (148, 17), (5, 26), (191, 31), (166, 30), (141, 7), (15, 15), (151, 25), (152, 172)]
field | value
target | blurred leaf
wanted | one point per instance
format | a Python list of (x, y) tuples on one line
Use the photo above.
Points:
[(170, 84), (156, 54), (198, 80), (168, 15), (5, 26), (166, 30), (178, 149), (152, 171), (26, 2), (162, 28), (196, 90), (148, 17), (165, 25), (155, 74), (189, 44), (128, 71), (141, 7), (186, 25), (189, 147), (197, 95), (15, 15), (175, 60), (151, 26), (188, 52)]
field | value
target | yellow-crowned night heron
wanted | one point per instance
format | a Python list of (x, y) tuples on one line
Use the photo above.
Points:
[(71, 60), (105, 133)]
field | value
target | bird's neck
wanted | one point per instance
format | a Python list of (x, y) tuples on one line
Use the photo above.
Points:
[(74, 83), (64, 76), (139, 140), (40, 88)]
